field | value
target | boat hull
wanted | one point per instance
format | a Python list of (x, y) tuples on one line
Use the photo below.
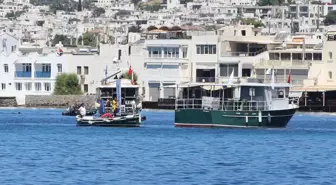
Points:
[(218, 118), (116, 122)]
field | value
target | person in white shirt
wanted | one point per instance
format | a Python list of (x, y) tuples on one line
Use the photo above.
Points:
[(82, 110)]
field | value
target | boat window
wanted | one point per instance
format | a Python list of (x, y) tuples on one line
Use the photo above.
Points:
[(280, 94)]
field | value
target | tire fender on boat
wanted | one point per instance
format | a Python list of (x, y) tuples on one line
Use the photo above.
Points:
[(107, 120)]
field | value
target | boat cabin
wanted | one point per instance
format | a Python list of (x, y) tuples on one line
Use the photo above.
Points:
[(250, 95), (129, 96)]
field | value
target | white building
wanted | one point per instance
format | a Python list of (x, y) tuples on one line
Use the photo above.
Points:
[(27, 74)]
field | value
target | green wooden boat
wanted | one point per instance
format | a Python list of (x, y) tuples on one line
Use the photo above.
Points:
[(248, 104)]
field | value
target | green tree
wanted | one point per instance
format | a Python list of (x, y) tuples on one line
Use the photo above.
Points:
[(97, 12), (79, 8), (67, 84), (34, 2), (25, 8), (14, 15), (330, 18), (252, 21), (126, 76), (64, 39), (152, 6), (134, 29), (87, 4), (136, 2), (65, 5), (271, 2), (89, 39)]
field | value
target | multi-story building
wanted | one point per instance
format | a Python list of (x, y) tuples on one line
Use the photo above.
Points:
[(27, 73)]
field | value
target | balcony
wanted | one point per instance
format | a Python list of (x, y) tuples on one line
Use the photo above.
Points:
[(23, 74), (283, 64), (42, 74)]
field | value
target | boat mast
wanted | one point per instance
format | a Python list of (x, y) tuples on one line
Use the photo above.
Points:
[(223, 98)]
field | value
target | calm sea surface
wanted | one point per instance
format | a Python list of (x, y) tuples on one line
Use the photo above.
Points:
[(40, 146)]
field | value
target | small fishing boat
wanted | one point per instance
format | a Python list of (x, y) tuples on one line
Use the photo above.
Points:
[(127, 95), (119, 121)]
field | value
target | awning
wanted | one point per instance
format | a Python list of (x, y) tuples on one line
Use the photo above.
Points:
[(205, 66), (295, 94), (38, 61), (212, 88), (247, 65), (314, 88)]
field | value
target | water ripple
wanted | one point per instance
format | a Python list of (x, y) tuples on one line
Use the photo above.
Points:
[(39, 146)]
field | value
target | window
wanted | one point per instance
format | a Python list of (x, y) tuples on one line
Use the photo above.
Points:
[(46, 68), (79, 70), (26, 67), (18, 86), (47, 86), (86, 88), (38, 86), (198, 49), (317, 56), (3, 86), (119, 54), (226, 69), (59, 68), (154, 52), (330, 74), (206, 49), (13, 48), (171, 52), (86, 70), (28, 86), (185, 52), (6, 68), (243, 32), (330, 55)]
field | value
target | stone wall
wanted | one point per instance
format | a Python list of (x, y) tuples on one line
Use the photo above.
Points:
[(8, 102), (59, 100)]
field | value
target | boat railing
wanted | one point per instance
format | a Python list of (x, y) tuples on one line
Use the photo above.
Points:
[(226, 105)]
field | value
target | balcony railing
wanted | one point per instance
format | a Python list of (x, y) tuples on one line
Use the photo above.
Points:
[(243, 54), (42, 74), (287, 64), (23, 74)]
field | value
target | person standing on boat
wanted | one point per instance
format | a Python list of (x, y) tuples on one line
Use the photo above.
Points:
[(82, 110), (115, 106)]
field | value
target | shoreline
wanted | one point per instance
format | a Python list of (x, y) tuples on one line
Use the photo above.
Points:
[(154, 110)]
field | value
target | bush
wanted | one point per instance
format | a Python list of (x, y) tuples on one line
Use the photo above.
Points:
[(67, 84)]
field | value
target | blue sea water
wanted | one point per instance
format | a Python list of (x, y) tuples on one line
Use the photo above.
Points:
[(40, 146)]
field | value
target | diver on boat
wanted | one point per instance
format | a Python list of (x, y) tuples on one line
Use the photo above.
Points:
[(82, 110)]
